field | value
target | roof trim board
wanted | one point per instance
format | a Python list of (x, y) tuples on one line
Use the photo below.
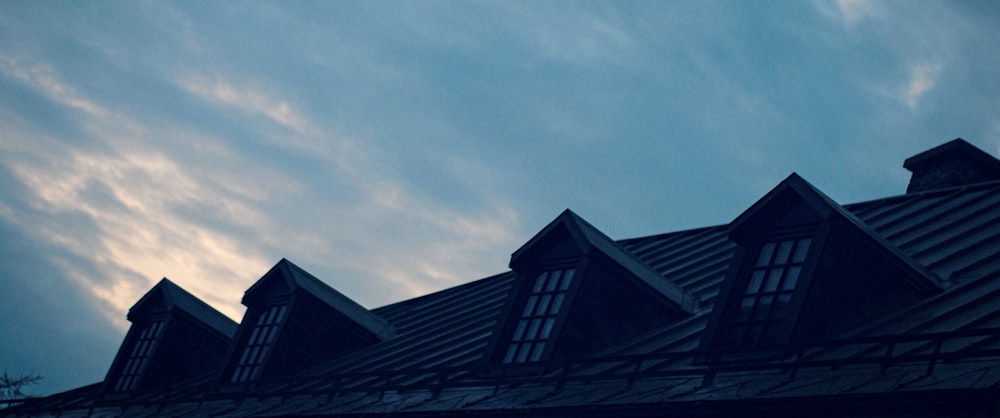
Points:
[(589, 240), (294, 277), (745, 225), (174, 297)]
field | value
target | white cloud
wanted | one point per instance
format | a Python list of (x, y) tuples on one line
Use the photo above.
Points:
[(45, 80), (853, 11), (922, 79), (171, 201)]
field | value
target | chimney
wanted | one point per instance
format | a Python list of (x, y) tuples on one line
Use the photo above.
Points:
[(955, 163)]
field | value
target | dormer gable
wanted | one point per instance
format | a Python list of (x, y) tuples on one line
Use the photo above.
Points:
[(576, 292), (294, 321), (805, 269), (174, 336), (954, 163)]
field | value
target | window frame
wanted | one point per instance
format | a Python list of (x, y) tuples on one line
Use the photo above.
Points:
[(241, 372), (514, 313), (717, 344), (543, 306), (770, 282), (141, 351)]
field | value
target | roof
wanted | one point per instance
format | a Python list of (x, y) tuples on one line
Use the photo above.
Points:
[(827, 208), (293, 277), (948, 343), (590, 239), (167, 296), (957, 146)]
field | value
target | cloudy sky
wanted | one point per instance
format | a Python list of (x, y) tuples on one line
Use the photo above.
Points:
[(397, 148)]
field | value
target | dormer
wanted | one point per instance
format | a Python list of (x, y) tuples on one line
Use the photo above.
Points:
[(174, 336), (577, 292), (294, 321), (804, 270), (955, 163)]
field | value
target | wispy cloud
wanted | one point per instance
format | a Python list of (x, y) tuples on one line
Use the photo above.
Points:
[(853, 11), (922, 79), (142, 187), (44, 79), (248, 99)]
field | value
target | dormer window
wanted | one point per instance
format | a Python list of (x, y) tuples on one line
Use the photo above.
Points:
[(295, 322), (805, 270), (174, 336), (541, 311), (577, 292), (768, 292), (139, 358), (261, 340)]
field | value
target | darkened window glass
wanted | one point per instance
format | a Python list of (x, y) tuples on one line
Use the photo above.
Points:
[(764, 301), (139, 357), (262, 338), (545, 301)]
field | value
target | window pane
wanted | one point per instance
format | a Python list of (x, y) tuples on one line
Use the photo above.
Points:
[(521, 326), (556, 304), (784, 251), (773, 278), (539, 283), (529, 307), (755, 281), (543, 305), (522, 354), (536, 353), (253, 335), (553, 281), (533, 329), (243, 359), (547, 328), (281, 313), (509, 357), (791, 278), (765, 254), (272, 331), (801, 249), (567, 278), (138, 348)]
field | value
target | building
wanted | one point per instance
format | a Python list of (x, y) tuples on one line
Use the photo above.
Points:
[(798, 307)]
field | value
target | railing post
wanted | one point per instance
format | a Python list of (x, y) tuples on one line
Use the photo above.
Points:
[(889, 348), (635, 373), (934, 356)]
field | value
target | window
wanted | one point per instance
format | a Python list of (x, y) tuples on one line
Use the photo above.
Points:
[(139, 359), (764, 302), (541, 309), (261, 339)]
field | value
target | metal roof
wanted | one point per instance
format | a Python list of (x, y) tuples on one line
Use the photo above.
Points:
[(948, 341)]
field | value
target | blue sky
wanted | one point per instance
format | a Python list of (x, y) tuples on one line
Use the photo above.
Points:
[(397, 148)]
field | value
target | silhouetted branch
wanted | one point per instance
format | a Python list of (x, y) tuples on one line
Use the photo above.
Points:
[(11, 386)]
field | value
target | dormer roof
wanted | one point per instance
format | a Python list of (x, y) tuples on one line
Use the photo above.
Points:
[(167, 297), (286, 278), (795, 190), (591, 241)]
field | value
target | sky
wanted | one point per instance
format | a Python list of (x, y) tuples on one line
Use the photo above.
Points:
[(393, 149)]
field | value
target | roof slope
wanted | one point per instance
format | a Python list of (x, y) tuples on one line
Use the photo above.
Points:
[(430, 366)]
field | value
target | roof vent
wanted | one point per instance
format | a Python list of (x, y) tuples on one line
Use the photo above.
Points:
[(955, 163)]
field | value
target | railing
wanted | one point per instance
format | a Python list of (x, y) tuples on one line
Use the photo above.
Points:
[(883, 351)]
